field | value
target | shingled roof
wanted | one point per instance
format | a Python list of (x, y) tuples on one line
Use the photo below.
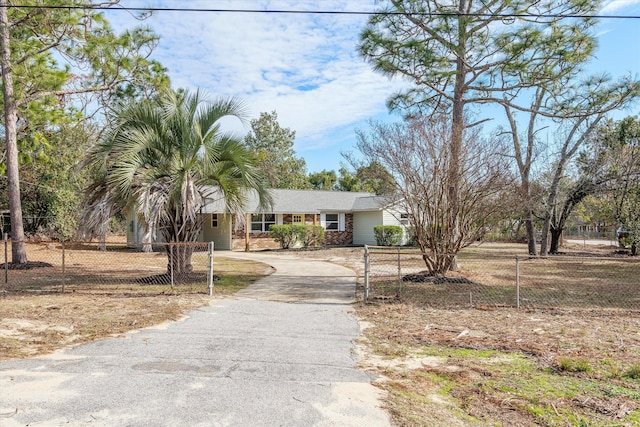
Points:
[(307, 201)]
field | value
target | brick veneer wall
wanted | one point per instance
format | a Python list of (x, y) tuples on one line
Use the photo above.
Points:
[(336, 238), (264, 241)]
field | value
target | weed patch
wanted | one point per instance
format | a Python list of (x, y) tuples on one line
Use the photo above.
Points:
[(633, 372), (571, 365)]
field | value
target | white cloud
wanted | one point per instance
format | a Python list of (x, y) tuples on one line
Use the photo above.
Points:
[(303, 66), (613, 6)]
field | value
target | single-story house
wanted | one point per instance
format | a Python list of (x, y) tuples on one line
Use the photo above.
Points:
[(348, 218)]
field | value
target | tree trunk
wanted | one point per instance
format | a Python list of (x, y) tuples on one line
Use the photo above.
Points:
[(585, 187), (180, 259), (552, 200), (516, 235), (531, 231), (556, 234), (524, 161), (18, 249), (182, 236), (551, 205), (457, 134), (544, 240)]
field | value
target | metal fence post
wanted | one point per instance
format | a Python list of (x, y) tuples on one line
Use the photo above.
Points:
[(366, 272), (171, 260), (399, 272), (6, 259), (64, 279), (210, 269), (517, 281)]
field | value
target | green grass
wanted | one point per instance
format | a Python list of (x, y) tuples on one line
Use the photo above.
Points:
[(633, 372), (548, 395), (571, 365), (457, 352)]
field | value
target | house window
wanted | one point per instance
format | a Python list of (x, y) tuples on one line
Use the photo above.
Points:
[(332, 222), (214, 220), (297, 219), (262, 222), (404, 218)]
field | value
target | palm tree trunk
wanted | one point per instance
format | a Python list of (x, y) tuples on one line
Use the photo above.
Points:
[(182, 235), (180, 258)]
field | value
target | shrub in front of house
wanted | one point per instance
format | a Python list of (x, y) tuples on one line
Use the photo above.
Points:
[(314, 235), (288, 235), (388, 235)]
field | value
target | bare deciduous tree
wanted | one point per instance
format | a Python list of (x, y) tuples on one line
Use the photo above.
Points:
[(577, 107), (417, 154)]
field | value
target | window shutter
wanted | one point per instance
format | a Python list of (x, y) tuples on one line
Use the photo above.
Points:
[(279, 219), (341, 222), (323, 220)]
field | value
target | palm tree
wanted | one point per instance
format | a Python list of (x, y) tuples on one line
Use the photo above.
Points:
[(162, 159)]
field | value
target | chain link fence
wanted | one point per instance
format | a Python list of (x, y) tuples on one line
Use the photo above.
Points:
[(55, 266), (486, 278)]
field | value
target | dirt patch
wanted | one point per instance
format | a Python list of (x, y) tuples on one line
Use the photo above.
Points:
[(183, 278), (550, 334), (39, 324)]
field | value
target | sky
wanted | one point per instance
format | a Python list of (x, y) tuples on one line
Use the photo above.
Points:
[(306, 67)]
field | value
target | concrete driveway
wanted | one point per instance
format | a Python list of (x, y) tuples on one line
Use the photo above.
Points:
[(280, 353)]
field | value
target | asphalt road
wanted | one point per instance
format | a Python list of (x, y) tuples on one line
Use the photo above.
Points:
[(281, 353)]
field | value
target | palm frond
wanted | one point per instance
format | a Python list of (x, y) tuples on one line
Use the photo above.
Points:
[(162, 158)]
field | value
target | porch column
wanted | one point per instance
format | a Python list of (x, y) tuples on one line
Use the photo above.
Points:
[(247, 225)]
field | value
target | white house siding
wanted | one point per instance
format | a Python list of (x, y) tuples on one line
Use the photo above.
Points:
[(220, 235), (390, 217), (363, 223)]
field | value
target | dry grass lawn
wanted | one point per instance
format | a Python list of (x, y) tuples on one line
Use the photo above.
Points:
[(103, 296)]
